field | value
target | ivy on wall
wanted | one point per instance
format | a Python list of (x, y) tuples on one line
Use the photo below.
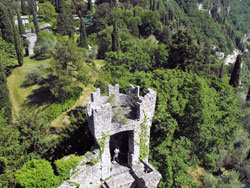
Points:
[(144, 149)]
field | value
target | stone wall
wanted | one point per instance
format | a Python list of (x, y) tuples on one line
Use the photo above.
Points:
[(100, 117), (100, 114)]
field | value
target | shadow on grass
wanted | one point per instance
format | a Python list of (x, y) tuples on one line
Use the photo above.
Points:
[(75, 138), (40, 96)]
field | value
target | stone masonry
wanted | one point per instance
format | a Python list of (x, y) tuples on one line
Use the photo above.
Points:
[(116, 121)]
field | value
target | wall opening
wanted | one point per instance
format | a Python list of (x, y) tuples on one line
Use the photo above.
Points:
[(124, 142)]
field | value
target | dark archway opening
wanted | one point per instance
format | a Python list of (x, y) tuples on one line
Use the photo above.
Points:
[(124, 142)]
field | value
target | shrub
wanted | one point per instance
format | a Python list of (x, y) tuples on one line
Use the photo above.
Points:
[(56, 109), (37, 173), (66, 166), (45, 46), (47, 11), (34, 76)]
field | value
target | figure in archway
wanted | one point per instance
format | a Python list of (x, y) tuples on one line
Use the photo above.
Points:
[(115, 157)]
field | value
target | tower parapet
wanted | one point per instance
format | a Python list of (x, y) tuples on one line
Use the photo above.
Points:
[(131, 107), (120, 122)]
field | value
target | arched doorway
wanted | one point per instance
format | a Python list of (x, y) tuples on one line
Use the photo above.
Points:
[(124, 142)]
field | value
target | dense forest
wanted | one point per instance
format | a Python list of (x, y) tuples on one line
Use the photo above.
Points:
[(200, 135)]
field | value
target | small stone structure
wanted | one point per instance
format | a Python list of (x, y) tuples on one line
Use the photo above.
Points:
[(45, 27), (32, 38), (121, 121), (24, 19)]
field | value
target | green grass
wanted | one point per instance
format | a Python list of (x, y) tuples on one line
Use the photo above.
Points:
[(100, 63), (19, 94)]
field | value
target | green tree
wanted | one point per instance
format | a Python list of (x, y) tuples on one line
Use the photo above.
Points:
[(46, 45), (115, 37), (194, 118), (37, 174), (235, 76), (33, 11), (221, 73), (47, 11), (20, 24), (7, 55), (90, 5), (133, 25), (32, 131), (65, 22), (24, 7), (101, 16), (63, 72), (150, 23), (5, 24), (248, 94), (18, 44), (165, 36), (83, 35), (185, 53), (104, 41), (11, 152), (4, 94)]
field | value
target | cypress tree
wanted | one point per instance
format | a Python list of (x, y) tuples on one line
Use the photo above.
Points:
[(33, 10), (65, 21), (24, 7), (221, 74), (4, 94), (158, 5), (58, 5), (248, 94), (6, 25), (153, 9), (17, 42), (89, 5), (83, 35), (115, 37), (20, 24), (235, 76), (18, 46)]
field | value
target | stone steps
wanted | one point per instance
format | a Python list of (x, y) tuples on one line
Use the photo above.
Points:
[(120, 178)]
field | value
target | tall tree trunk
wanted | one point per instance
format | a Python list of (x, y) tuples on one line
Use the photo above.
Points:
[(248, 94), (24, 7), (83, 35), (235, 76), (17, 41), (5, 103), (115, 37), (6, 25), (33, 9), (20, 24), (221, 74)]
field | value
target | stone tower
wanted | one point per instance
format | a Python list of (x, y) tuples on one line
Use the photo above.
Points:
[(123, 121)]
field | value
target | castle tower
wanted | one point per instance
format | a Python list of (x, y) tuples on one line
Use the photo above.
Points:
[(121, 116), (118, 122)]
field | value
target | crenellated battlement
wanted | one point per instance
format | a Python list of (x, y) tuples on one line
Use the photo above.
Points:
[(120, 122), (133, 106)]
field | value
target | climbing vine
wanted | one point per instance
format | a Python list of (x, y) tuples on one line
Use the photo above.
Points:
[(101, 143), (144, 149), (111, 100)]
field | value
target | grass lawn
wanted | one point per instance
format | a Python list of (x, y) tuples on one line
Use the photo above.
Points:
[(81, 102), (18, 93)]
